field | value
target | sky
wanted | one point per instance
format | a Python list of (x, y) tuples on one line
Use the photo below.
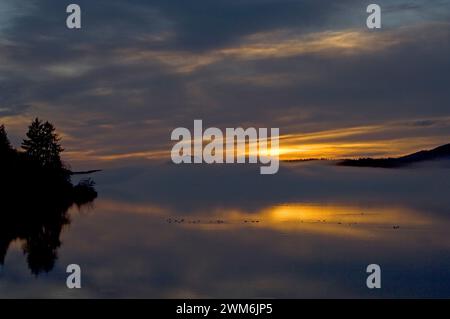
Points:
[(136, 70)]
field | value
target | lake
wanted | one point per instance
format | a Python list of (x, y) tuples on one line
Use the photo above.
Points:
[(166, 231)]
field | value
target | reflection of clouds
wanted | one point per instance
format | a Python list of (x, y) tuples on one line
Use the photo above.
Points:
[(327, 219), (192, 189), (128, 250), (126, 247)]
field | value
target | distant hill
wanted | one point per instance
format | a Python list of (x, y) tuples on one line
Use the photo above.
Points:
[(439, 153)]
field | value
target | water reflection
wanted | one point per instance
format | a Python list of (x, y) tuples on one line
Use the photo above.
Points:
[(331, 219), (283, 250), (326, 218), (165, 232), (37, 222)]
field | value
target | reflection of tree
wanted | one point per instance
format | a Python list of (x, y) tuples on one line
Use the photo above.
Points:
[(42, 243), (35, 196), (38, 223)]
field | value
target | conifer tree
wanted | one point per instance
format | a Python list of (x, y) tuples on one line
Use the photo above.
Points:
[(4, 141), (42, 144)]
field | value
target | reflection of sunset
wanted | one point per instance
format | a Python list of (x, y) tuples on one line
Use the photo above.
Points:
[(341, 214), (330, 219)]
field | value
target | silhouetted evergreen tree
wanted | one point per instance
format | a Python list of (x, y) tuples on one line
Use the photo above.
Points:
[(6, 150), (5, 145), (43, 145), (36, 193)]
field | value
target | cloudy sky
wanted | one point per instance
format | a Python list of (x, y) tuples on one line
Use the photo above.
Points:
[(138, 69)]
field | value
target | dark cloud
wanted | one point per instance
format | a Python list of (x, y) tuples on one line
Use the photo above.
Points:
[(12, 110), (424, 123), (166, 63)]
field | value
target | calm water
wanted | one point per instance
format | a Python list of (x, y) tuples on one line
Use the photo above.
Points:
[(309, 231)]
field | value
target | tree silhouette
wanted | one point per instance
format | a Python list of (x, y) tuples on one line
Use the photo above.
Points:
[(5, 145), (36, 194), (43, 145), (7, 152)]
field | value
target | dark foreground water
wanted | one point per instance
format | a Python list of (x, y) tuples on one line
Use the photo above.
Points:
[(165, 231)]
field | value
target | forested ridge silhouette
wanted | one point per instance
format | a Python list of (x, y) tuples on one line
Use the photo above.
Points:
[(439, 153)]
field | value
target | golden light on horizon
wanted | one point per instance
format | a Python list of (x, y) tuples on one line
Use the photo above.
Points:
[(288, 150), (381, 140)]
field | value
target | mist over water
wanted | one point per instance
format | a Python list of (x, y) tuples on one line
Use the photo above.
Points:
[(212, 231)]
